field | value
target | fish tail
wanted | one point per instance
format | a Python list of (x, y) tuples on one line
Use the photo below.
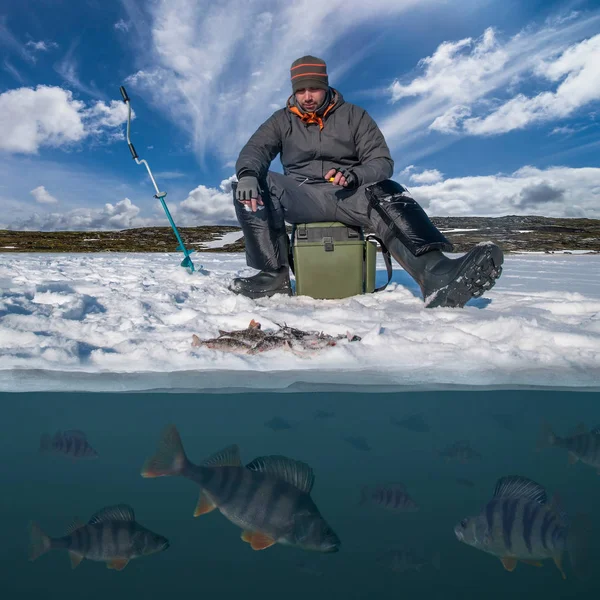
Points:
[(579, 538), (45, 442), (39, 542), (170, 458), (547, 437)]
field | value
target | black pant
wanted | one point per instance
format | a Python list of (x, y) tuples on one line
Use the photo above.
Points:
[(289, 200)]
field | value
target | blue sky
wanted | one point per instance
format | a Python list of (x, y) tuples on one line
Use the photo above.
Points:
[(490, 107)]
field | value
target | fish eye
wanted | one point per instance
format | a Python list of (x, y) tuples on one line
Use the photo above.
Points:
[(464, 523)]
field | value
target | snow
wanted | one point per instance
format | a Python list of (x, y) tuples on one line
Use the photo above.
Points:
[(120, 322), (224, 240), (457, 230)]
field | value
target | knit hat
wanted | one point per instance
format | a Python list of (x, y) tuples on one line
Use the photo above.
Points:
[(309, 71)]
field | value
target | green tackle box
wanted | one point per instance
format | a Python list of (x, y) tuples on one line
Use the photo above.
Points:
[(331, 260)]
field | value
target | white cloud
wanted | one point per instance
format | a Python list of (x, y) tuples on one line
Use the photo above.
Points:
[(195, 62), (42, 196), (9, 40), (50, 116), (426, 177), (122, 25), (67, 69), (41, 46), (122, 215), (9, 68), (208, 206), (553, 192), (580, 68), (463, 86)]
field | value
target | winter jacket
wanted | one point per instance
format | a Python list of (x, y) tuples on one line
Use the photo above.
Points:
[(346, 137)]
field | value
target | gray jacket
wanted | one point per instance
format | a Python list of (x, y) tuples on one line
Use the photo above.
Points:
[(350, 138)]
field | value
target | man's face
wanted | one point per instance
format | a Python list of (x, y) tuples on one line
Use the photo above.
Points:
[(310, 99)]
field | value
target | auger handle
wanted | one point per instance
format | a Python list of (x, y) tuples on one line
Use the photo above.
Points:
[(124, 94)]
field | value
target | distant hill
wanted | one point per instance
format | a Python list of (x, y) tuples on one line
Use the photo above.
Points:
[(512, 233)]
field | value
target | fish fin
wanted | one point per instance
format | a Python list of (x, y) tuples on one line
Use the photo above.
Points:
[(223, 332), (170, 458), (579, 430), (119, 512), (295, 472), (45, 442), (228, 457), (572, 458), (533, 563), (509, 563), (515, 486), (547, 437), (76, 524), (580, 534), (118, 563), (254, 325), (196, 341), (261, 541), (558, 563), (75, 559), (247, 536), (204, 505), (39, 542)]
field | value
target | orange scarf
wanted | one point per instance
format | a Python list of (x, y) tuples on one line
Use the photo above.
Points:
[(311, 117)]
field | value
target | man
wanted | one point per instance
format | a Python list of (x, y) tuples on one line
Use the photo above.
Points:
[(337, 167)]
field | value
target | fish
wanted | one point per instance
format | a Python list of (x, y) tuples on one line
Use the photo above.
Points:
[(581, 446), (360, 443), (278, 424), (403, 560), (324, 414), (72, 443), (254, 340), (391, 496), (459, 451), (520, 524), (465, 482), (112, 535), (269, 498), (412, 423)]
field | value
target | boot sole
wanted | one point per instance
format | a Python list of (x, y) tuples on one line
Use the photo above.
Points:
[(256, 295), (476, 277)]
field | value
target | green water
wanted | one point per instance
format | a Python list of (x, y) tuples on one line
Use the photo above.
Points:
[(207, 557)]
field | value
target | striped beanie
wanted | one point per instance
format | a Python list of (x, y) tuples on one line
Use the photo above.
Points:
[(309, 71)]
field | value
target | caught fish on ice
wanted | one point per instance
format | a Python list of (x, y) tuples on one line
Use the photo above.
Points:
[(254, 340)]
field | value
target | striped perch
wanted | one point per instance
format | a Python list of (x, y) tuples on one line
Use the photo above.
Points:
[(72, 443), (519, 524), (111, 536), (392, 496), (581, 445), (268, 498)]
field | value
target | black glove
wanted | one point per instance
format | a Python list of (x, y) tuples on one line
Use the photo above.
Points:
[(351, 179), (247, 188)]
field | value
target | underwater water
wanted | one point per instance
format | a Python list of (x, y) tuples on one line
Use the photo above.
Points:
[(206, 554)]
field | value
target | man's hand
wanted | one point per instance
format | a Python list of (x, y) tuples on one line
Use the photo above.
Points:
[(345, 178), (248, 193)]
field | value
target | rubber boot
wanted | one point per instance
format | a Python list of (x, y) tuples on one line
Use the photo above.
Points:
[(263, 284), (451, 282)]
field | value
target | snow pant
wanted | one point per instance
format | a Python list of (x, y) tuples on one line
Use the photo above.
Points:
[(383, 207)]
